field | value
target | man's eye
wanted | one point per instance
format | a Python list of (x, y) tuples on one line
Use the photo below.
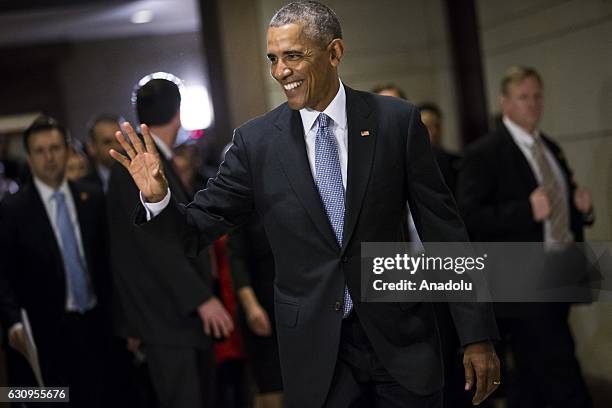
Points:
[(293, 57), (272, 60)]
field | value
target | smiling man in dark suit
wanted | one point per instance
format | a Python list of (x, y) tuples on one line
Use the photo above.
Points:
[(53, 264), (326, 171), (516, 186)]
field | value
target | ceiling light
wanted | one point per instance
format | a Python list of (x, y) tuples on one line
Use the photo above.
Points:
[(142, 17)]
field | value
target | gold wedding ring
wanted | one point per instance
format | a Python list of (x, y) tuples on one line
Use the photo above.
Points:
[(496, 382)]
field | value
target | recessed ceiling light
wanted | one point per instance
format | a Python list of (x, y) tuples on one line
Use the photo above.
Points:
[(142, 17)]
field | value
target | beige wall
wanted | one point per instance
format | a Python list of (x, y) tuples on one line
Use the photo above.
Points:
[(242, 38), (569, 42)]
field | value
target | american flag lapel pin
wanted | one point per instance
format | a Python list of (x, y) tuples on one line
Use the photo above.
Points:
[(365, 133)]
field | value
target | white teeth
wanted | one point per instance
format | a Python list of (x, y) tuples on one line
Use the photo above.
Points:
[(292, 85)]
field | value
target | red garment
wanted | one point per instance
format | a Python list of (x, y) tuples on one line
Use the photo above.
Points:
[(230, 348)]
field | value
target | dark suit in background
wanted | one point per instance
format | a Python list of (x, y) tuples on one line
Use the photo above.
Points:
[(93, 177), (495, 184), (449, 166), (160, 290), (71, 345), (267, 169), (252, 265)]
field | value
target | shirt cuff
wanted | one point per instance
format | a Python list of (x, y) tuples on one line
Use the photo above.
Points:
[(153, 209), (15, 327)]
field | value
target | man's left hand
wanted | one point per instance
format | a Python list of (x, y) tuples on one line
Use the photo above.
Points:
[(583, 200), (481, 364)]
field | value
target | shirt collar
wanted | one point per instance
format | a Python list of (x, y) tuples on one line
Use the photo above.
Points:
[(46, 192), (336, 110), (520, 135), (103, 171), (162, 146)]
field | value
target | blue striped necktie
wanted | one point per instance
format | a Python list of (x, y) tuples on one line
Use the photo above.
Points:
[(329, 182), (75, 270)]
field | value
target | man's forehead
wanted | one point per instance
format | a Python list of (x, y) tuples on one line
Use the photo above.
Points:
[(107, 127), (288, 35), (46, 138), (46, 134)]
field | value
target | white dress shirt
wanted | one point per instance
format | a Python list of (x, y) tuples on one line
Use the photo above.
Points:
[(162, 147), (46, 194), (336, 110), (153, 209), (104, 173), (525, 140)]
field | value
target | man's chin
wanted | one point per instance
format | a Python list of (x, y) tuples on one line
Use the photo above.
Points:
[(295, 105)]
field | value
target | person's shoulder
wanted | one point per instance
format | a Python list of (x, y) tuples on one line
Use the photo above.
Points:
[(551, 143), (382, 103), (16, 203), (487, 144), (92, 177), (86, 190), (265, 120)]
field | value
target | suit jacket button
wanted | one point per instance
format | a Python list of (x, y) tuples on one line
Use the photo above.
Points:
[(344, 259), (338, 306)]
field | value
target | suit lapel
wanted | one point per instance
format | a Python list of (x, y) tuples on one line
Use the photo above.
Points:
[(362, 134), (44, 230), (291, 151), (176, 185), (85, 218), (518, 160)]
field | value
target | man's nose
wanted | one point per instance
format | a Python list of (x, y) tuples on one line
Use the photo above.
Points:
[(281, 71)]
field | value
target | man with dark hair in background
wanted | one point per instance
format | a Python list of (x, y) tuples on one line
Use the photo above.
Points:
[(167, 298), (431, 116), (54, 264), (515, 185), (390, 90), (101, 140)]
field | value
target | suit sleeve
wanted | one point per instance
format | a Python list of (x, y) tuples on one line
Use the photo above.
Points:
[(238, 245), (136, 256), (9, 306), (485, 216), (437, 220)]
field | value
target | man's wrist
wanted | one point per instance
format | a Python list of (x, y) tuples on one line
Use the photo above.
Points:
[(15, 327), (153, 209)]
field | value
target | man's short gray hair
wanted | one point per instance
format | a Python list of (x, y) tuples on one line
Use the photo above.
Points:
[(320, 23)]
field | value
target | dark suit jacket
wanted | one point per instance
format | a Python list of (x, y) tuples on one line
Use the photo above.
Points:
[(267, 169), (32, 272), (448, 164), (93, 177), (158, 287), (494, 187)]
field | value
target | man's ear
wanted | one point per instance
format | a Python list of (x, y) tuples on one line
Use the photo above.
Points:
[(336, 51), (502, 102), (90, 149)]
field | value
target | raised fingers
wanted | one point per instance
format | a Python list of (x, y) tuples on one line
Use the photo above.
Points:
[(125, 162), (134, 139), (149, 144), (125, 145)]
